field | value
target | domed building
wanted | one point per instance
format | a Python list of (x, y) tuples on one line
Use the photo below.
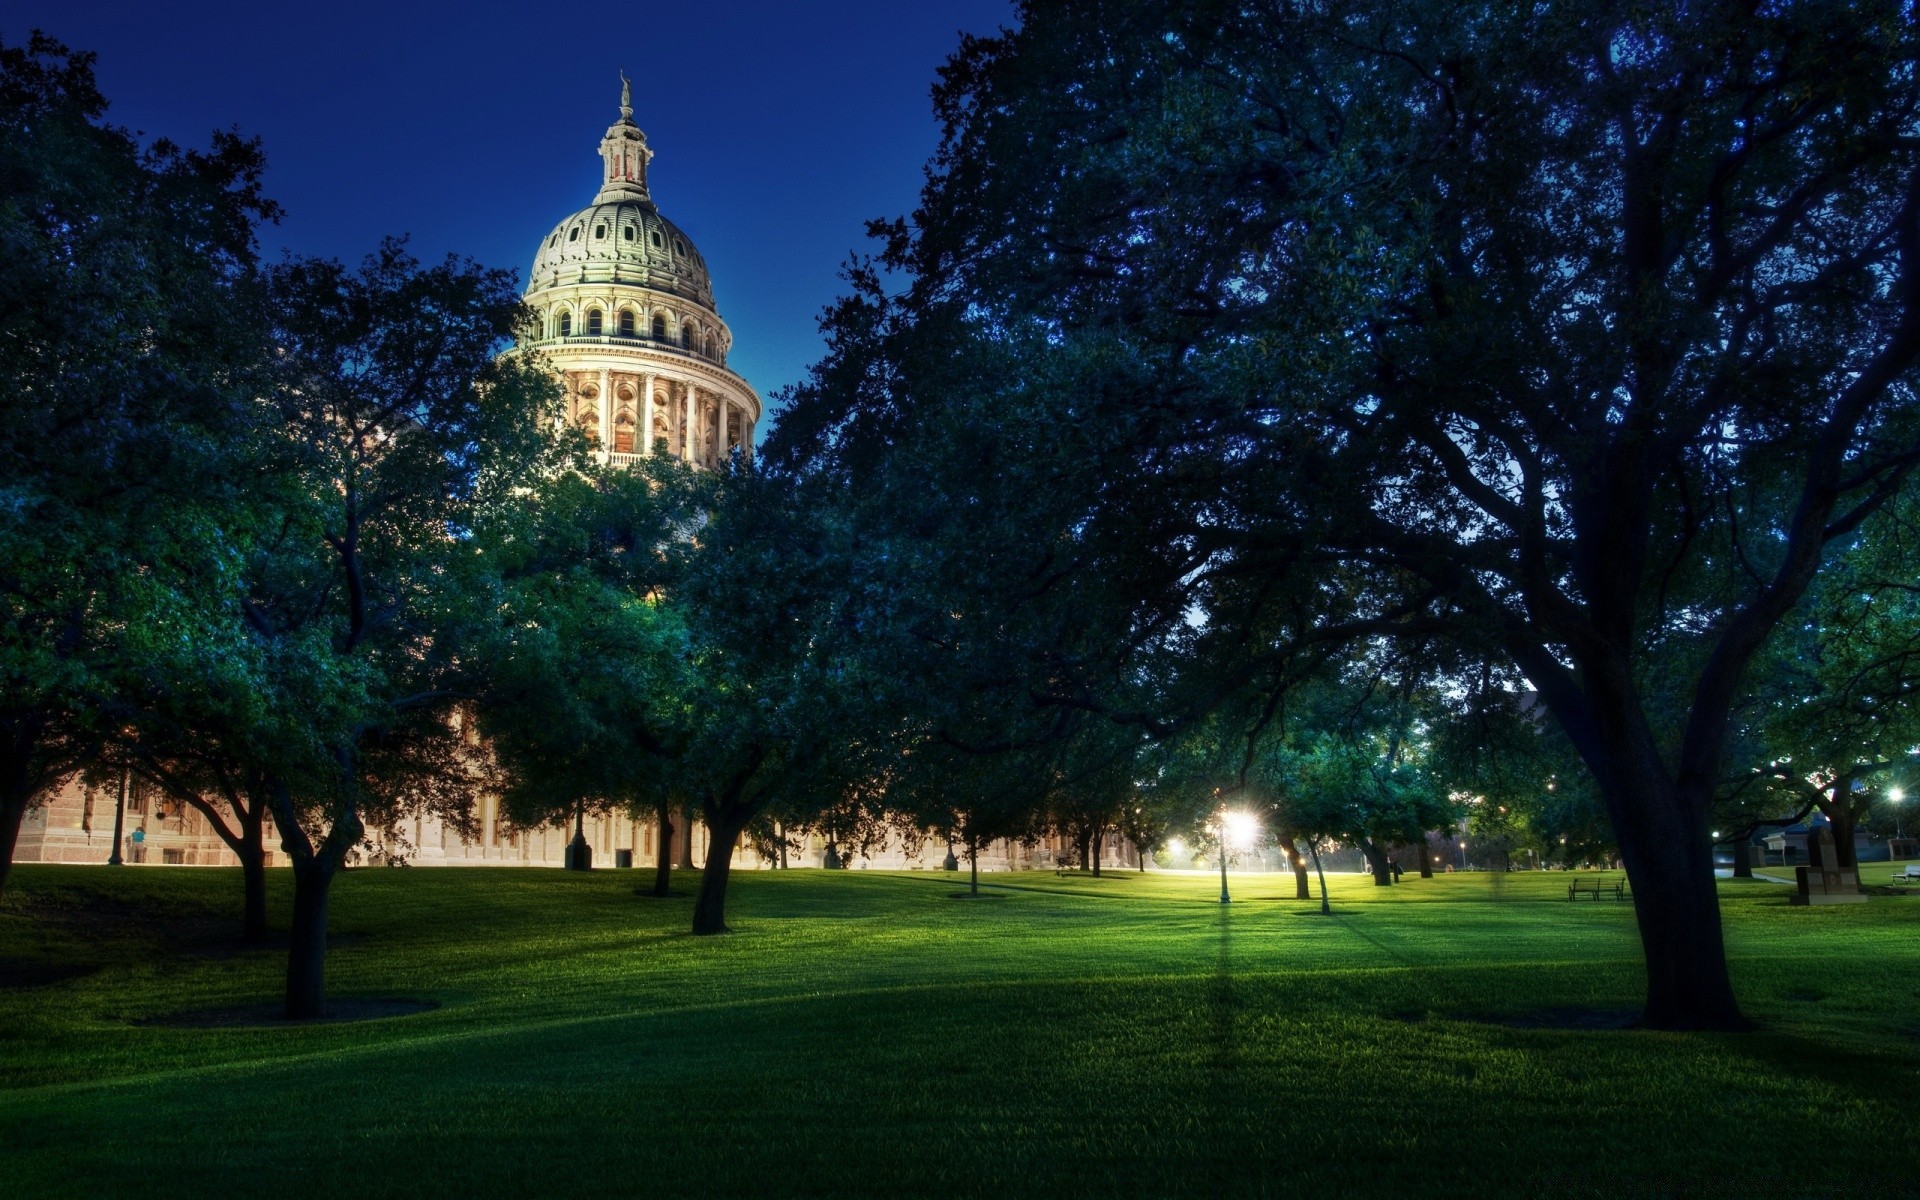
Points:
[(627, 318)]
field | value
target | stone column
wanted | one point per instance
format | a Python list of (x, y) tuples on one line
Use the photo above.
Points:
[(606, 415), (689, 433), (646, 413)]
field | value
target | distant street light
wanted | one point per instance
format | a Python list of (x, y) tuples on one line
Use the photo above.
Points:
[(1896, 795), (1463, 855)]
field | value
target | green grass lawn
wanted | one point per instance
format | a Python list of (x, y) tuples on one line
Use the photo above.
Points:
[(866, 1033)]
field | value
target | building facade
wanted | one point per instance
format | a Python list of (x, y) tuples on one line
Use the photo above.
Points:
[(627, 318)]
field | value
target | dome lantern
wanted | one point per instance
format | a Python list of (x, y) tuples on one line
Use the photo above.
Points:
[(625, 151)]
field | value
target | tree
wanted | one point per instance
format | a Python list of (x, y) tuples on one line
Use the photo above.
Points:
[(772, 687), (402, 428), (126, 351), (1573, 333), (588, 684)]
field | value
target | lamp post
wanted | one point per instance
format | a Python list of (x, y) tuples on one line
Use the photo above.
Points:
[(1463, 855), (1224, 898), (1895, 796), (579, 853), (119, 821)]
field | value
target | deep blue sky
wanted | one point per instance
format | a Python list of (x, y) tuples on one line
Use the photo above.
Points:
[(777, 128)]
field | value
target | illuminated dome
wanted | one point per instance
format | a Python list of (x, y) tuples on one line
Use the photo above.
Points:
[(623, 241), (627, 318)]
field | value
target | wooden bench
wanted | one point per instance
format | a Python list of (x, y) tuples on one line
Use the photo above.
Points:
[(1597, 889), (1903, 878)]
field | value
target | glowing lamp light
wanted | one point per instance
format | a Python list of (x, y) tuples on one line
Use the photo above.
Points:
[(1896, 794), (1242, 829), (1176, 848)]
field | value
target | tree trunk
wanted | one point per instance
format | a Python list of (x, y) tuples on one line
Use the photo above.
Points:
[(973, 866), (686, 839), (1313, 848), (252, 853), (1743, 857), (307, 956), (1426, 857), (1842, 818), (1099, 843), (663, 857), (710, 907), (13, 811), (1377, 862), (1665, 847)]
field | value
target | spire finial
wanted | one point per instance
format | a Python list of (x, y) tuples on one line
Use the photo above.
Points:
[(626, 98)]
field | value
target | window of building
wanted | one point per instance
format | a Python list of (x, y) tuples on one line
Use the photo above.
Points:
[(659, 327), (627, 233), (573, 235), (593, 322), (599, 231), (679, 247), (623, 433), (626, 322), (566, 324), (554, 240), (653, 235), (686, 337)]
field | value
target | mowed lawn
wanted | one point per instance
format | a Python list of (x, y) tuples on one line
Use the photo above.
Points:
[(868, 1033)]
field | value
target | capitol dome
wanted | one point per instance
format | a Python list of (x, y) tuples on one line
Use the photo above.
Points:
[(626, 316), (623, 241)]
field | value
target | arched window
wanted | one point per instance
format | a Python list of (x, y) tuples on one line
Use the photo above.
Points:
[(566, 324), (593, 322), (659, 327), (626, 322), (623, 432), (573, 235), (554, 240), (653, 235), (599, 231), (627, 232), (679, 247), (686, 337)]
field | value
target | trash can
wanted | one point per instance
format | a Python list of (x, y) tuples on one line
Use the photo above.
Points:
[(623, 858)]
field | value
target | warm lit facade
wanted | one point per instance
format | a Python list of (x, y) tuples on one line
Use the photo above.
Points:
[(627, 318)]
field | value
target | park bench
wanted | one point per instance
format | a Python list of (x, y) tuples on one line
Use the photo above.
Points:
[(1910, 875), (1597, 889)]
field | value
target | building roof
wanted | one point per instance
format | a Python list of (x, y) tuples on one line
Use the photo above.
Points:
[(622, 237)]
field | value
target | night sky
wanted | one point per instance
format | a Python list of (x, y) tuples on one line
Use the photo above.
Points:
[(777, 129)]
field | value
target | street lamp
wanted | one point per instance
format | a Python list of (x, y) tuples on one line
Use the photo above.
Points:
[(1895, 796), (1236, 829), (1463, 855), (119, 819)]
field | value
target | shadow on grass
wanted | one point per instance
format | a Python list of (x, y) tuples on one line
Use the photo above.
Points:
[(269, 1015)]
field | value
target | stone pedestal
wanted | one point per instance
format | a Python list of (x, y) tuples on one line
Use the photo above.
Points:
[(1823, 881)]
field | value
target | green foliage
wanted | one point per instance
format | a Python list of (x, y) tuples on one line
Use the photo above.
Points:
[(127, 367), (1567, 335)]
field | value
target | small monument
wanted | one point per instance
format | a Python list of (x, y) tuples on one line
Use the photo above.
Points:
[(1822, 881)]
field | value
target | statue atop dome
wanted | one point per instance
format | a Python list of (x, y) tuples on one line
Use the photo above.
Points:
[(626, 98)]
